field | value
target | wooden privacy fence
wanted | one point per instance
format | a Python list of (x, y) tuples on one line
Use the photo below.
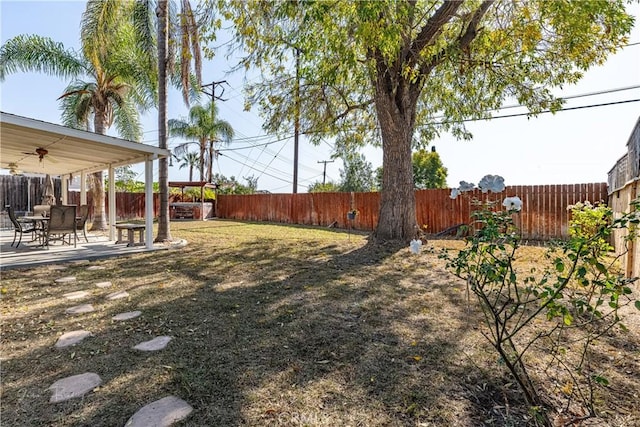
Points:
[(544, 214), (128, 205)]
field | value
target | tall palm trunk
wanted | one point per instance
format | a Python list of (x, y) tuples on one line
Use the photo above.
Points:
[(203, 152), (164, 231), (212, 156), (97, 186)]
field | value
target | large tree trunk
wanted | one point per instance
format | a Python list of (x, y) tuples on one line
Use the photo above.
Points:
[(164, 231), (396, 116)]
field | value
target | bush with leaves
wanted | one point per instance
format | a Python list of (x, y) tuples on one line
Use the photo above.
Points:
[(587, 220), (558, 310)]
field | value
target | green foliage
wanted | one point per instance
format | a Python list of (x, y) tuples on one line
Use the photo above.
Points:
[(206, 131), (232, 186), (379, 72), (357, 174), (587, 221), (577, 289), (428, 171), (318, 187), (193, 194)]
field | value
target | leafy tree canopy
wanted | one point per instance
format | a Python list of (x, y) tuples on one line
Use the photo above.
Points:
[(357, 174), (383, 71), (428, 170), (328, 187)]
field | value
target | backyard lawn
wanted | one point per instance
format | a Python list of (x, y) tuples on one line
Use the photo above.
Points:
[(276, 325)]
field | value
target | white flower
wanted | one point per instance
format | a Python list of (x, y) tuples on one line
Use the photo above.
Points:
[(415, 246), (466, 186), (493, 183), (512, 203), (454, 193)]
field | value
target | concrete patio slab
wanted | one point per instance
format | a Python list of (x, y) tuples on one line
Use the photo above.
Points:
[(58, 256)]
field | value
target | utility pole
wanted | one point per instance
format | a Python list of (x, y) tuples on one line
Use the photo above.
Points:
[(296, 125), (324, 172), (213, 153)]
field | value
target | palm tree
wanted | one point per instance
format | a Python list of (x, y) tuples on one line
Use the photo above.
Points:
[(110, 81), (206, 130), (190, 160), (183, 29)]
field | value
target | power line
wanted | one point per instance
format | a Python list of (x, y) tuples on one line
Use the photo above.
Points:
[(540, 112)]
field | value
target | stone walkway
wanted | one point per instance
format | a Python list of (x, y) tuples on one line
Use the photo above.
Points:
[(160, 413)]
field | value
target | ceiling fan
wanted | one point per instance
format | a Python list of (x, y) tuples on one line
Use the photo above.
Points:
[(41, 153)]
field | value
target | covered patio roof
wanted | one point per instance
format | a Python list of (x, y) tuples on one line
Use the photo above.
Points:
[(34, 146), (66, 151)]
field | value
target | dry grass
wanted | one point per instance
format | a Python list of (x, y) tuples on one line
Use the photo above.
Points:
[(275, 326)]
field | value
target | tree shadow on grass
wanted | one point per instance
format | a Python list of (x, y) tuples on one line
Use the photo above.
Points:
[(266, 333)]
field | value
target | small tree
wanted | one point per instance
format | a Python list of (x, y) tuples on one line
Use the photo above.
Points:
[(428, 170), (357, 174), (578, 291)]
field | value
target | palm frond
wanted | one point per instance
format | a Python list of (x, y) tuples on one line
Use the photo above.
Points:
[(40, 54), (127, 121)]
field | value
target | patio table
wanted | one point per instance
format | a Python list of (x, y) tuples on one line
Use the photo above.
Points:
[(40, 224)]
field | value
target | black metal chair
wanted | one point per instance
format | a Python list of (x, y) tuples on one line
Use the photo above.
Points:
[(19, 228), (83, 215), (62, 223)]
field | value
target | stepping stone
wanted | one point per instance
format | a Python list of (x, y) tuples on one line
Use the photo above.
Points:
[(68, 279), (103, 285), (158, 343), (118, 295), (72, 338), (96, 267), (80, 309), (58, 267), (74, 386), (81, 262), (161, 413), (76, 295), (126, 316)]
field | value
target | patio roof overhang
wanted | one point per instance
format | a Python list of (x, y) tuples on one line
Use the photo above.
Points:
[(69, 151)]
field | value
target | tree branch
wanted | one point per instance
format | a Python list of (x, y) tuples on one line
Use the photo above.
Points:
[(462, 42), (431, 29)]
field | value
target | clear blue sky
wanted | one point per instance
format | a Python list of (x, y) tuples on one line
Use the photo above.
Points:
[(576, 146)]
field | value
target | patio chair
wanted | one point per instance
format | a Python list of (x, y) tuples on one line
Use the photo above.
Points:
[(81, 222), (19, 228), (62, 223)]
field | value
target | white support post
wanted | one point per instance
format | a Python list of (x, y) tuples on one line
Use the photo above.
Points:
[(83, 188), (112, 203), (65, 189), (148, 202)]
